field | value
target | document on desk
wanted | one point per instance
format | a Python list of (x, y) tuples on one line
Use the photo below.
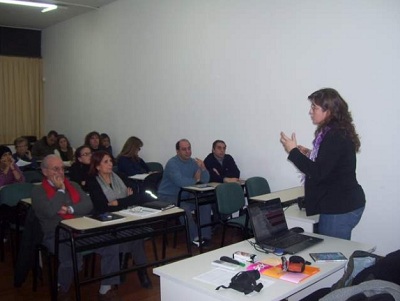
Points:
[(140, 211), (141, 176), (200, 187), (219, 277), (216, 276)]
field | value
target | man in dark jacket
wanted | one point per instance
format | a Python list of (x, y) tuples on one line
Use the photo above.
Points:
[(45, 146), (221, 166)]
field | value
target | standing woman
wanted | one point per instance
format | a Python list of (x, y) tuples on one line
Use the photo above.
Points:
[(111, 192), (331, 187)]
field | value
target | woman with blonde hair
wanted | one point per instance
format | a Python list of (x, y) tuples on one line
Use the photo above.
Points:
[(129, 161)]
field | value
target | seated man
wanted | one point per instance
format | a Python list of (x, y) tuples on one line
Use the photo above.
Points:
[(180, 171), (45, 146), (22, 153), (57, 199), (222, 167)]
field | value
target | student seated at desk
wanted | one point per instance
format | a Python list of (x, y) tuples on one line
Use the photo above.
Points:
[(9, 171), (23, 153), (92, 140), (182, 170), (79, 171), (221, 166), (57, 199), (45, 146), (111, 192), (105, 142), (64, 150), (129, 161)]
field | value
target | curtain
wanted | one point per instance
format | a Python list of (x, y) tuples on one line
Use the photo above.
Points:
[(21, 97)]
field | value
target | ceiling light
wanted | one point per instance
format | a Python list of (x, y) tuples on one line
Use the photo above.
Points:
[(46, 7)]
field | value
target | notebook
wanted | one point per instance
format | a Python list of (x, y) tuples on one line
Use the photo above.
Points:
[(271, 231)]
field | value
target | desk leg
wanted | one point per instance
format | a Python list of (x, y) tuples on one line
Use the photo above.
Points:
[(75, 266), (188, 242), (198, 222), (54, 289)]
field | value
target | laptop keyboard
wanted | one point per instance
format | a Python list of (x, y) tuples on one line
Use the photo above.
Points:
[(290, 241)]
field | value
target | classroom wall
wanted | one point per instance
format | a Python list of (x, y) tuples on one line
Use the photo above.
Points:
[(239, 71)]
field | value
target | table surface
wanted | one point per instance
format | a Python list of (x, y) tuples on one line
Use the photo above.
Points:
[(285, 194), (184, 271), (87, 223)]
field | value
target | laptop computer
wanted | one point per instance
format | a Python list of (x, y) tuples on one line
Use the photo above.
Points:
[(271, 231)]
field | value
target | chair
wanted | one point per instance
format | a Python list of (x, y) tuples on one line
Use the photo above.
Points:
[(155, 166), (256, 186), (230, 199), (33, 176), (10, 195)]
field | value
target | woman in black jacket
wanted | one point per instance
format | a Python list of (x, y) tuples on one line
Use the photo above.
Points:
[(79, 170), (331, 187), (112, 192)]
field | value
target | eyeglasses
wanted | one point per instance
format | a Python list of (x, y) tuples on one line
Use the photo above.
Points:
[(86, 154), (22, 145), (57, 169), (315, 107)]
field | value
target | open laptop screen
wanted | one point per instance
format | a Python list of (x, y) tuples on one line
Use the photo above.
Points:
[(267, 219)]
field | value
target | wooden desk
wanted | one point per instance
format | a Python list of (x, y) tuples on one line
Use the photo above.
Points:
[(84, 234), (177, 283), (294, 216)]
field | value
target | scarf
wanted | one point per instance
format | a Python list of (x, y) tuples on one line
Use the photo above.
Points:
[(73, 193), (316, 145), (117, 190)]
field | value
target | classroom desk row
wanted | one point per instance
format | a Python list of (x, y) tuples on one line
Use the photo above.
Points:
[(85, 234)]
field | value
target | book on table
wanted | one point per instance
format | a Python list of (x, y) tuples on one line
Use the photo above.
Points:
[(277, 272), (328, 257), (140, 177), (106, 217), (160, 205), (140, 211)]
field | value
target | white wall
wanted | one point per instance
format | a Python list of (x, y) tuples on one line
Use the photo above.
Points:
[(239, 71)]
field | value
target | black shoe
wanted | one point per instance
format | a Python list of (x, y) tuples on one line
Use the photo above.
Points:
[(144, 278)]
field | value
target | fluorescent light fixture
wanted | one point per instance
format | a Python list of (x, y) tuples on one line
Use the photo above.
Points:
[(46, 7)]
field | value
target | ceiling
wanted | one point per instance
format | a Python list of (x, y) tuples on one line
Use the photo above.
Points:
[(33, 18)]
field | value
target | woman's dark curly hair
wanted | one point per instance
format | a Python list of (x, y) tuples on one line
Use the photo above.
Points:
[(339, 115)]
